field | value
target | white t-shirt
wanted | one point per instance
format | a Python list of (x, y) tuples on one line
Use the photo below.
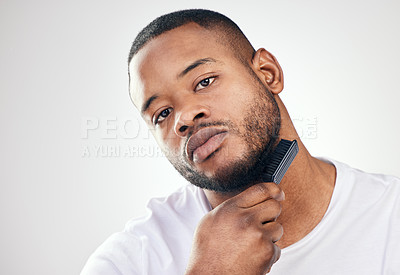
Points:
[(359, 234)]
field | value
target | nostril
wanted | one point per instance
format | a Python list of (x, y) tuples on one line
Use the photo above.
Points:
[(199, 115), (183, 128)]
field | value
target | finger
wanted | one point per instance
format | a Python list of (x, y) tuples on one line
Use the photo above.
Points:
[(258, 193), (266, 211), (277, 254), (273, 231), (275, 257)]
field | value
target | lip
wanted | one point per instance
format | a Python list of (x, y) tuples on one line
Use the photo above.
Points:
[(204, 142)]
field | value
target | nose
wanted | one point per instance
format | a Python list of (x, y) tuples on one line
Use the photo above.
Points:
[(187, 118)]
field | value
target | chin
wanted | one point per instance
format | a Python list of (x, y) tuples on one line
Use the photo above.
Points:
[(236, 165), (220, 160), (225, 175)]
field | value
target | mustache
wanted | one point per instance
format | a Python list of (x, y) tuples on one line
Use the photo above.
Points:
[(225, 123)]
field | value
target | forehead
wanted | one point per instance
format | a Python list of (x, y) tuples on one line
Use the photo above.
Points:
[(160, 61)]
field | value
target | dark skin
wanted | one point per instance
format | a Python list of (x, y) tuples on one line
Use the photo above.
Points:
[(267, 217)]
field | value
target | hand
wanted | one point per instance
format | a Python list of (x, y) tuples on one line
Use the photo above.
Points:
[(239, 235)]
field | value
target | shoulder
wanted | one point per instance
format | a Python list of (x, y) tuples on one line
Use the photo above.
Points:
[(164, 233), (111, 257), (364, 179), (184, 206), (361, 189)]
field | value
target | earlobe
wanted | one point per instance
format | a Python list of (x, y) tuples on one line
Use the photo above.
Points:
[(269, 70)]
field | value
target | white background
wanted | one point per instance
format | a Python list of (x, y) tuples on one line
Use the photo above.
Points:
[(63, 69)]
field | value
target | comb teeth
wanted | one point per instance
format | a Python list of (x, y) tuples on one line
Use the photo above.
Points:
[(280, 160)]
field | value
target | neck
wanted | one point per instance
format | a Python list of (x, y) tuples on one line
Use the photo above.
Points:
[(308, 185)]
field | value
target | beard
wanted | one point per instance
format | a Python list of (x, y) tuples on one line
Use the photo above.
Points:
[(261, 126)]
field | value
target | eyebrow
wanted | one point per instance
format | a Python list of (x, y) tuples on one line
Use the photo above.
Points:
[(196, 64), (192, 66), (146, 105)]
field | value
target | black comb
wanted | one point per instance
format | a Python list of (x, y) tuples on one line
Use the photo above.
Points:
[(280, 160)]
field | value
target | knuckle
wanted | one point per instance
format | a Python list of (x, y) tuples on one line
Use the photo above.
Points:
[(269, 250), (226, 208), (245, 221), (257, 237), (207, 219), (262, 188), (275, 207), (226, 205), (268, 189), (215, 216), (275, 191), (279, 229)]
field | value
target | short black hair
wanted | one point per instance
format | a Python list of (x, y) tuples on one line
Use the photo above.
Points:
[(207, 19)]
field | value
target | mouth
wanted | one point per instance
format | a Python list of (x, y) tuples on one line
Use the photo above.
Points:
[(204, 143)]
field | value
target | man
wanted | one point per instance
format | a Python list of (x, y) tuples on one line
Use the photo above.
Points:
[(212, 103)]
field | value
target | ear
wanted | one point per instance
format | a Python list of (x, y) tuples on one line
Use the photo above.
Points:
[(269, 70)]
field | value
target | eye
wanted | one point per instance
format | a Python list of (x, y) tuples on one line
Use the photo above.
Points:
[(205, 83), (163, 115)]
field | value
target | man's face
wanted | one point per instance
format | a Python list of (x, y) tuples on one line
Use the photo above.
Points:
[(209, 112)]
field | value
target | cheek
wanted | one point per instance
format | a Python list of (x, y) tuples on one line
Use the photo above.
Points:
[(232, 101), (169, 143)]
